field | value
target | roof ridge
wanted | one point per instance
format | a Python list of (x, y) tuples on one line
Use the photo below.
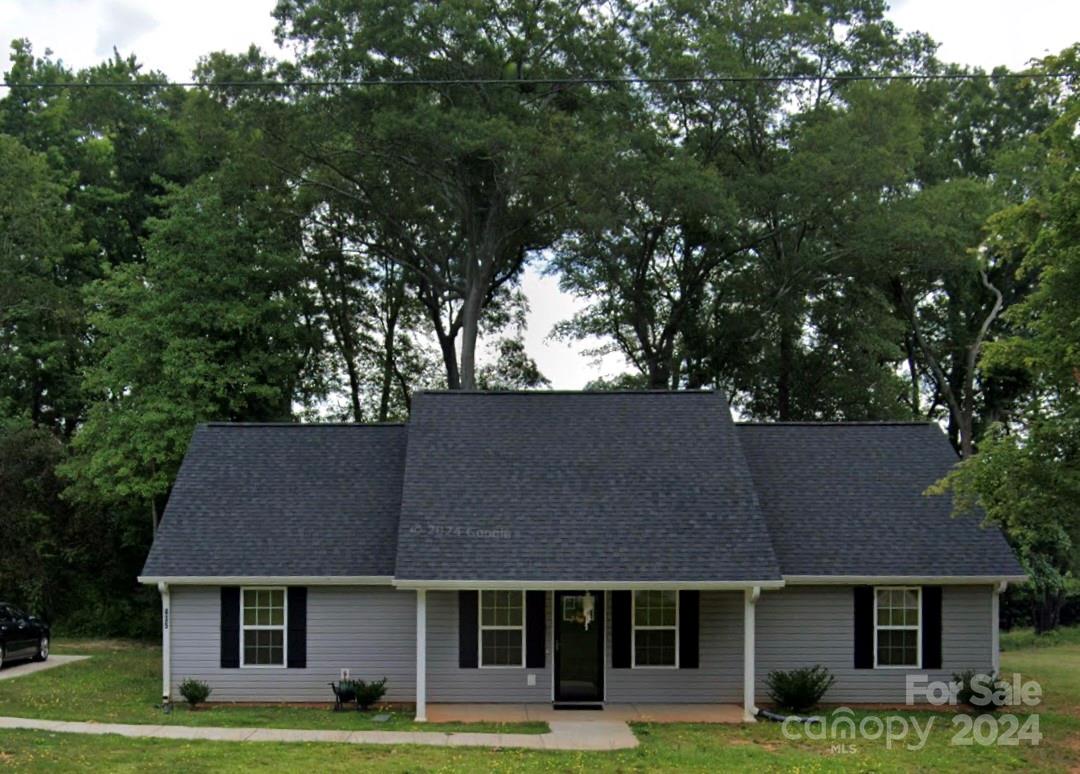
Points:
[(851, 423), (545, 393), (306, 425)]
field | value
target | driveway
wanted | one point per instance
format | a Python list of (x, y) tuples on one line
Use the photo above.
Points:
[(11, 671)]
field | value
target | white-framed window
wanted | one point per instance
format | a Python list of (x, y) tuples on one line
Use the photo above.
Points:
[(263, 613), (502, 628), (898, 627), (655, 616)]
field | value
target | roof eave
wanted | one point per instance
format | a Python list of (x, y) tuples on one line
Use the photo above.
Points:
[(944, 580), (268, 580)]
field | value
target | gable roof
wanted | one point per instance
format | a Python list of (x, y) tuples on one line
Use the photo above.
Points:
[(572, 488), (578, 487), (847, 499), (283, 500)]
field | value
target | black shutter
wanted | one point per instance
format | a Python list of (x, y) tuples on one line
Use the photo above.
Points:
[(297, 627), (864, 627), (534, 630), (689, 625), (620, 629), (931, 627), (468, 628), (230, 627)]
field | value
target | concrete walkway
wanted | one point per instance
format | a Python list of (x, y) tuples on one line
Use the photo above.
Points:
[(28, 668), (564, 735)]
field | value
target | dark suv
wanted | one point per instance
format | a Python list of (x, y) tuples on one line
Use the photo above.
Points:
[(22, 635)]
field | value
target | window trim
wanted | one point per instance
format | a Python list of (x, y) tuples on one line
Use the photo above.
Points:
[(634, 629), (481, 628), (893, 627), (284, 628)]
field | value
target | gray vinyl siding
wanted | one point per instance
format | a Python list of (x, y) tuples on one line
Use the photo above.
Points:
[(719, 675), (448, 682), (805, 625), (370, 630)]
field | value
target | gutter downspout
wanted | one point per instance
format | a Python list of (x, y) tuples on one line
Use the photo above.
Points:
[(995, 625), (166, 637), (750, 599)]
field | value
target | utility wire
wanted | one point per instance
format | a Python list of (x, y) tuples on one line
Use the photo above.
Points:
[(599, 80)]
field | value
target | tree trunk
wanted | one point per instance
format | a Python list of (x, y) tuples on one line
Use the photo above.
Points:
[(470, 331), (784, 375), (389, 353)]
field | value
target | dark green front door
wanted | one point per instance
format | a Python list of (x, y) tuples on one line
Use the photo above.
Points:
[(579, 646)]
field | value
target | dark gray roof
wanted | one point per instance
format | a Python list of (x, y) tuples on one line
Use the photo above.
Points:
[(283, 500), (601, 487), (847, 499), (578, 486)]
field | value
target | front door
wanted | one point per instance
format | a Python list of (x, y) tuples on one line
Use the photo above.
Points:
[(579, 646)]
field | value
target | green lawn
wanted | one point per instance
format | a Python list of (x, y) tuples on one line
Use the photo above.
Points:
[(121, 683), (682, 747)]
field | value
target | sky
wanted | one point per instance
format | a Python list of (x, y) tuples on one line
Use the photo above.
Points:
[(170, 36)]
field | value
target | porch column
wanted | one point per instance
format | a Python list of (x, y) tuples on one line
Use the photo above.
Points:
[(166, 667), (995, 625), (421, 655), (750, 598)]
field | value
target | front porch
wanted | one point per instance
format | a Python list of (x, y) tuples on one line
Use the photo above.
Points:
[(630, 713), (581, 647)]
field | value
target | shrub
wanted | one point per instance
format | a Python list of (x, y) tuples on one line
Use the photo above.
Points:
[(799, 690), (195, 692), (979, 691), (368, 693)]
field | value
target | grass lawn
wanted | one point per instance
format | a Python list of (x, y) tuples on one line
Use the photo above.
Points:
[(684, 747), (121, 683)]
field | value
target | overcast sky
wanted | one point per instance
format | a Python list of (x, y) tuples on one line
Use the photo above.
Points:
[(170, 35)]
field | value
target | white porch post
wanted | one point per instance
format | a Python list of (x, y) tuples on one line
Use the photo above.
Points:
[(750, 599), (995, 625), (421, 655), (166, 687)]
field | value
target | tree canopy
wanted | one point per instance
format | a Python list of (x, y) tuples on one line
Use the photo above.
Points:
[(735, 205)]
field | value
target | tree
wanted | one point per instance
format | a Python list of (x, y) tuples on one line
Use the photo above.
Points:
[(42, 267), (214, 326), (458, 184), (1026, 474)]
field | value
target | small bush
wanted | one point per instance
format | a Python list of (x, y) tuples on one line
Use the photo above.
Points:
[(195, 692), (980, 692), (799, 690), (366, 693)]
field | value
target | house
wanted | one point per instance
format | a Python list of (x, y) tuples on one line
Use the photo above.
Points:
[(571, 547)]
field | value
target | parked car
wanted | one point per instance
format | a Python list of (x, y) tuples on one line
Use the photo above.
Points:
[(22, 636)]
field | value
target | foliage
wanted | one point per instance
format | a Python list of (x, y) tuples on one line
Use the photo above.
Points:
[(364, 693), (1026, 476), (195, 692), (799, 690), (980, 692)]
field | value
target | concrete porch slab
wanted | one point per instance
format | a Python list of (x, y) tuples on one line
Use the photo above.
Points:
[(631, 713)]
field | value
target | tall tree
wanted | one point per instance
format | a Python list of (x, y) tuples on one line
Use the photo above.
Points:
[(1026, 474), (458, 184)]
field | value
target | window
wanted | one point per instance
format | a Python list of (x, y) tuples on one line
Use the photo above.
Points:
[(897, 632), (502, 628), (263, 628), (656, 628)]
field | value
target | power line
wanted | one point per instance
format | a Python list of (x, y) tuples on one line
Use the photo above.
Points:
[(592, 81)]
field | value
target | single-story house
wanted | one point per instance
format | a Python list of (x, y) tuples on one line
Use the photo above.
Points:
[(571, 547)]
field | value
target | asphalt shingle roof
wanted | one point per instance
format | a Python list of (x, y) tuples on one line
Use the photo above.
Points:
[(578, 486), (283, 500), (602, 487), (847, 499)]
